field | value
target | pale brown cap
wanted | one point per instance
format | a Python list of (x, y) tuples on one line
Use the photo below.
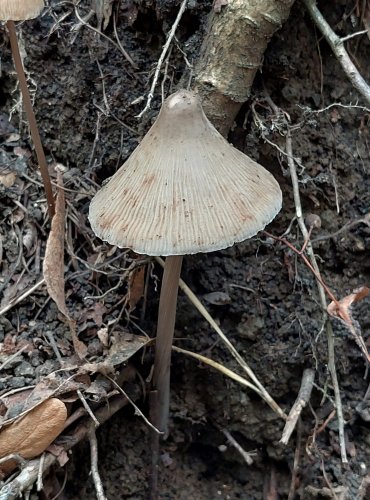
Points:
[(184, 189), (20, 10)]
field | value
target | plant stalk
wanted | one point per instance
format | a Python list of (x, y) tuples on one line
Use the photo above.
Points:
[(31, 117), (163, 345)]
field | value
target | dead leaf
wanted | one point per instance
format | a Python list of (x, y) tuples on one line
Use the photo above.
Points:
[(12, 344), (18, 151), (54, 267), (342, 310), (96, 313), (123, 348), (218, 4), (135, 287), (103, 336), (13, 137), (59, 451), (30, 435), (7, 178)]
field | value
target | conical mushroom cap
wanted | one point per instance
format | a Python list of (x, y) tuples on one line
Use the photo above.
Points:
[(20, 10), (184, 189)]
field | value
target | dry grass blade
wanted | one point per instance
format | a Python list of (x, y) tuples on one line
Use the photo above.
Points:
[(342, 311), (203, 311), (53, 267), (221, 368)]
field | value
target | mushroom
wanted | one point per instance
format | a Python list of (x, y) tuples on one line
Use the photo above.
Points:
[(183, 190), (21, 10)]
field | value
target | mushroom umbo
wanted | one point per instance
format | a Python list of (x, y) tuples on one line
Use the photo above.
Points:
[(183, 190), (21, 10)]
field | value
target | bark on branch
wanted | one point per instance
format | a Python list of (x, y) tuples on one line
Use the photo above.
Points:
[(232, 52), (337, 45)]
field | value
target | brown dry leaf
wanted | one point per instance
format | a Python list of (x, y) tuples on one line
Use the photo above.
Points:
[(11, 345), (56, 384), (59, 451), (8, 178), (218, 4), (30, 435), (125, 345), (342, 311), (103, 336), (96, 313), (135, 287), (54, 267)]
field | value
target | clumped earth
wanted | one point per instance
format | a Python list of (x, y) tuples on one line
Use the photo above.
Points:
[(87, 96)]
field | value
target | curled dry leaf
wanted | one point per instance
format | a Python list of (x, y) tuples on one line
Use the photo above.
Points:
[(30, 435), (124, 346), (54, 267), (136, 287), (342, 311)]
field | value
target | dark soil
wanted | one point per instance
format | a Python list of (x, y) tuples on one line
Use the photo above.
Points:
[(87, 96)]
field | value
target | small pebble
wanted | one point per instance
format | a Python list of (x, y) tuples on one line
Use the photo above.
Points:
[(16, 382), (25, 369)]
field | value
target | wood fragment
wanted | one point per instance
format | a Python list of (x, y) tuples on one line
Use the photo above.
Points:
[(303, 398), (232, 53)]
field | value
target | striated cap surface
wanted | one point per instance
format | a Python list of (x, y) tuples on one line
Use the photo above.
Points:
[(184, 189), (20, 10)]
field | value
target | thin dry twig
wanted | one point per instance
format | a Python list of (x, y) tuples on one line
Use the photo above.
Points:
[(94, 465), (166, 46), (247, 457), (297, 455), (100, 33), (321, 290), (301, 401), (39, 484), (337, 45), (347, 226), (136, 408), (87, 408)]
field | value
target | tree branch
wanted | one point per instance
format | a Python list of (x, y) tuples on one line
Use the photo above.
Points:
[(232, 53), (337, 45)]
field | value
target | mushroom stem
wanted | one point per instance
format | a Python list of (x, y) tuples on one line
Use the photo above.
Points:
[(163, 345), (31, 117)]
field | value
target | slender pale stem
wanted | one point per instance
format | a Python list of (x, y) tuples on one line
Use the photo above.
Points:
[(163, 345), (31, 117)]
